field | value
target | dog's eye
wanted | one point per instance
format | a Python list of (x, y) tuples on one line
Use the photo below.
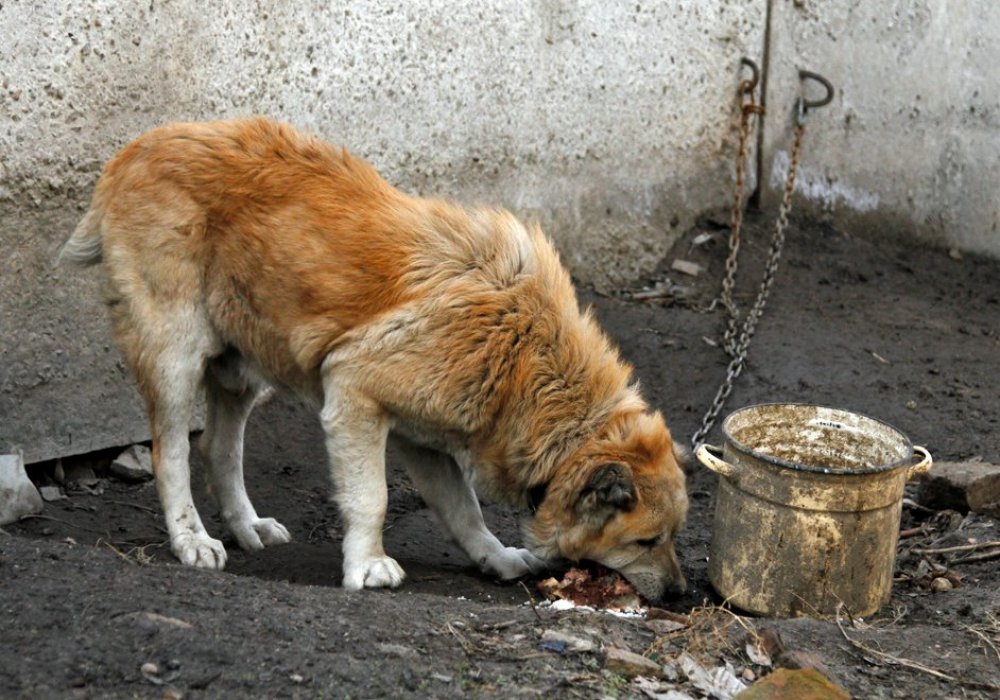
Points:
[(651, 542)]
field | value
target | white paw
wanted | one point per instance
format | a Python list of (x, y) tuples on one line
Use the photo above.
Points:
[(194, 549), (257, 533), (511, 562), (373, 572)]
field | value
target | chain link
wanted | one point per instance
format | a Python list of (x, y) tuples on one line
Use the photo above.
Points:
[(748, 110), (736, 340)]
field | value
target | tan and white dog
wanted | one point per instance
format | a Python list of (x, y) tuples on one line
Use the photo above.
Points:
[(243, 254)]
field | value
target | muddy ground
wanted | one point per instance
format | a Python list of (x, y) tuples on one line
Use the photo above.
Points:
[(89, 592)]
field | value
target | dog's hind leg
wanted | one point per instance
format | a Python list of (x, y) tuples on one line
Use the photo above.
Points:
[(168, 349), (445, 489), (356, 429), (231, 393)]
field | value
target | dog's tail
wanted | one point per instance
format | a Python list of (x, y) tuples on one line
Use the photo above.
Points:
[(84, 246)]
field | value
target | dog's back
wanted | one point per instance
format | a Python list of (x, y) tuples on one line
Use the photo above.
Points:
[(285, 242)]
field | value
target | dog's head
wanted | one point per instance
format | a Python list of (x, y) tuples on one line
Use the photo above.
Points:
[(620, 501)]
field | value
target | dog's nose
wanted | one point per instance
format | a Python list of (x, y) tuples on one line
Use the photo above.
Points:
[(675, 588)]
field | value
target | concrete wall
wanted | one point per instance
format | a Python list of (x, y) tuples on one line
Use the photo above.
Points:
[(607, 122), (911, 144)]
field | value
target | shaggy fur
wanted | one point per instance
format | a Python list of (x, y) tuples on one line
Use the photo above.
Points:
[(241, 255)]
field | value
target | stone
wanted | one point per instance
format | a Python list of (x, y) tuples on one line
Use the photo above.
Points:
[(687, 267), (962, 486), (51, 493), (18, 496), (794, 684), (567, 642), (630, 664), (134, 465)]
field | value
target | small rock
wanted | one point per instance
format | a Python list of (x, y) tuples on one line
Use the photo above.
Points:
[(149, 669), (18, 496), (794, 684), (151, 621), (172, 694), (962, 486), (443, 678), (687, 267), (568, 642), (296, 678), (955, 254), (51, 493), (941, 584), (630, 664), (398, 650), (133, 465)]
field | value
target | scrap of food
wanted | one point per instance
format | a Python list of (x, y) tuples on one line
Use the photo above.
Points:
[(594, 586)]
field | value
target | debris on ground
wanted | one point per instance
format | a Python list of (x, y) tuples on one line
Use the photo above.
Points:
[(134, 465), (77, 476), (562, 643), (51, 493), (629, 664), (687, 267), (18, 496), (598, 588), (656, 689), (962, 486), (719, 682)]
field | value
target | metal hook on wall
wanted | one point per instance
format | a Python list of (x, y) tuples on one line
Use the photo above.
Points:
[(750, 85), (803, 105)]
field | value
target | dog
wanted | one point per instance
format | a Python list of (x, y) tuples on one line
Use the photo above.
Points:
[(243, 255)]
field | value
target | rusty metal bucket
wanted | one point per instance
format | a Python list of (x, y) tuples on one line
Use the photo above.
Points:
[(808, 509)]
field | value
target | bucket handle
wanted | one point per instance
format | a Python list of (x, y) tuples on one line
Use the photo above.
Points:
[(921, 467), (716, 464)]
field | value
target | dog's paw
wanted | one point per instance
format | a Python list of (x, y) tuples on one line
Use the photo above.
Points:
[(258, 533), (373, 572), (511, 562), (194, 549)]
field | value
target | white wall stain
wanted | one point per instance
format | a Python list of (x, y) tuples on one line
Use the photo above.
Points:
[(819, 188)]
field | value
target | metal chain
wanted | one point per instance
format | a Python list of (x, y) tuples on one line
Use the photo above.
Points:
[(748, 109), (737, 346)]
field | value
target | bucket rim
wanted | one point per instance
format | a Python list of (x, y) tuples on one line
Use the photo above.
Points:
[(877, 469)]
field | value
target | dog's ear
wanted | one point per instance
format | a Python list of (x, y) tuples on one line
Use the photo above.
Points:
[(610, 486)]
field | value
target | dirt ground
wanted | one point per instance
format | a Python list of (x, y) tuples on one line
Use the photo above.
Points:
[(89, 593)]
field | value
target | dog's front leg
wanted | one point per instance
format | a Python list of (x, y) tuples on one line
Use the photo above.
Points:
[(356, 429), (445, 489)]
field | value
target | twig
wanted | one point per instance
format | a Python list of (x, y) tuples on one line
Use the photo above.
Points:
[(907, 663), (651, 295), (132, 505), (135, 556), (912, 532), (910, 503), (985, 638), (466, 645), (531, 599), (985, 556), (64, 522), (957, 548)]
